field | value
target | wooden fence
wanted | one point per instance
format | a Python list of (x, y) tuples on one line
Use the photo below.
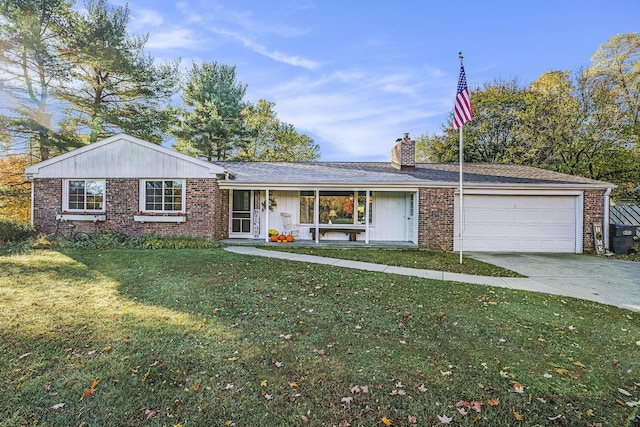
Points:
[(625, 214)]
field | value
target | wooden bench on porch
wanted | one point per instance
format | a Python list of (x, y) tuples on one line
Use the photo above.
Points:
[(350, 230)]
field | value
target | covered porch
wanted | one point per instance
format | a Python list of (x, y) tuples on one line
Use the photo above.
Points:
[(343, 214)]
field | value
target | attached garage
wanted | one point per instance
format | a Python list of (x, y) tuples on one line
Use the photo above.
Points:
[(550, 222)]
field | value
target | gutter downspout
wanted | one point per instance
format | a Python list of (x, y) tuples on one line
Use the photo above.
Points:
[(605, 220)]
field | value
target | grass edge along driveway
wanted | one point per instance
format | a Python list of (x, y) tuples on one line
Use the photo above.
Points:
[(206, 337)]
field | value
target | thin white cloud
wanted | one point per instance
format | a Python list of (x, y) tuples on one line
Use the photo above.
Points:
[(178, 38), (143, 19), (296, 61)]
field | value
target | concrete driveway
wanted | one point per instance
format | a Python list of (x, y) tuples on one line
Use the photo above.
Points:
[(606, 280)]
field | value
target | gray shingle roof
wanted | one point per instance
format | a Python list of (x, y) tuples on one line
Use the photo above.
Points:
[(384, 174)]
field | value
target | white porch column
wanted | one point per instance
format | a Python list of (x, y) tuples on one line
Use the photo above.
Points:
[(316, 214), (266, 215), (366, 218)]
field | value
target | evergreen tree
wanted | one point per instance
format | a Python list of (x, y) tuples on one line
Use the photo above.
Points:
[(32, 69), (115, 86), (211, 124)]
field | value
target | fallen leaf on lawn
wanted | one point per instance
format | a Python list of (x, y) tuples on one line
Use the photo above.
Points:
[(196, 387), (47, 387), (150, 413), (493, 402), (412, 420), (233, 359), (517, 416), (422, 388), (445, 373), (107, 349), (579, 364), (355, 389), (387, 421), (229, 386), (58, 406), (540, 399), (293, 384), (633, 404), (88, 393), (263, 383), (444, 419), (461, 403), (505, 374), (476, 406), (591, 413), (557, 417), (278, 364), (228, 423), (95, 383), (24, 355), (623, 391), (268, 396), (620, 402), (462, 411), (518, 388)]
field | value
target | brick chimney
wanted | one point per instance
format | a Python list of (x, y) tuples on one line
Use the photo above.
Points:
[(403, 155)]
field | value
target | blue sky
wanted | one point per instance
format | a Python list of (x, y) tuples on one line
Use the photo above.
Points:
[(355, 75)]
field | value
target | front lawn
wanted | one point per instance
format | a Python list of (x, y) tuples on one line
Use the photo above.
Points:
[(204, 337)]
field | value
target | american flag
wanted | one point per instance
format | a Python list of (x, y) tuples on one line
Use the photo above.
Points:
[(462, 111)]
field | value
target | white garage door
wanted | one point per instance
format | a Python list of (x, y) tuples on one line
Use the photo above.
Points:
[(507, 223)]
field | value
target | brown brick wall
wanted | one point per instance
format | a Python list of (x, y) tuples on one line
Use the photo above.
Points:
[(435, 219), (593, 211), (222, 213), (122, 203)]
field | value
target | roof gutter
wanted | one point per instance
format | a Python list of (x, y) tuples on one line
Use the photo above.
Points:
[(235, 184)]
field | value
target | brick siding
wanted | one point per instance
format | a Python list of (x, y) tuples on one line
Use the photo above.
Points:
[(593, 211), (435, 219), (202, 197)]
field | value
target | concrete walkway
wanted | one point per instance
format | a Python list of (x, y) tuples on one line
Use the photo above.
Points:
[(608, 281)]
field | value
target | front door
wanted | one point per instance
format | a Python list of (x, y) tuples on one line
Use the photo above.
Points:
[(241, 212), (410, 206)]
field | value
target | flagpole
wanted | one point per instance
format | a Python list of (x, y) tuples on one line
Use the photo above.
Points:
[(461, 157), (462, 113), (461, 222)]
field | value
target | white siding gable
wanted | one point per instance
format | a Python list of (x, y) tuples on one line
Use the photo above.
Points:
[(123, 156)]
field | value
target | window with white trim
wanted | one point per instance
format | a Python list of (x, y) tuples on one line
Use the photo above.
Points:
[(82, 195), (162, 196), (336, 207)]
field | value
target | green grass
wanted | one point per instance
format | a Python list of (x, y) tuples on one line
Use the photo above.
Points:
[(412, 258), (203, 337)]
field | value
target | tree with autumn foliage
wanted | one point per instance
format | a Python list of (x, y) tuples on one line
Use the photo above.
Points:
[(15, 190), (583, 122)]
